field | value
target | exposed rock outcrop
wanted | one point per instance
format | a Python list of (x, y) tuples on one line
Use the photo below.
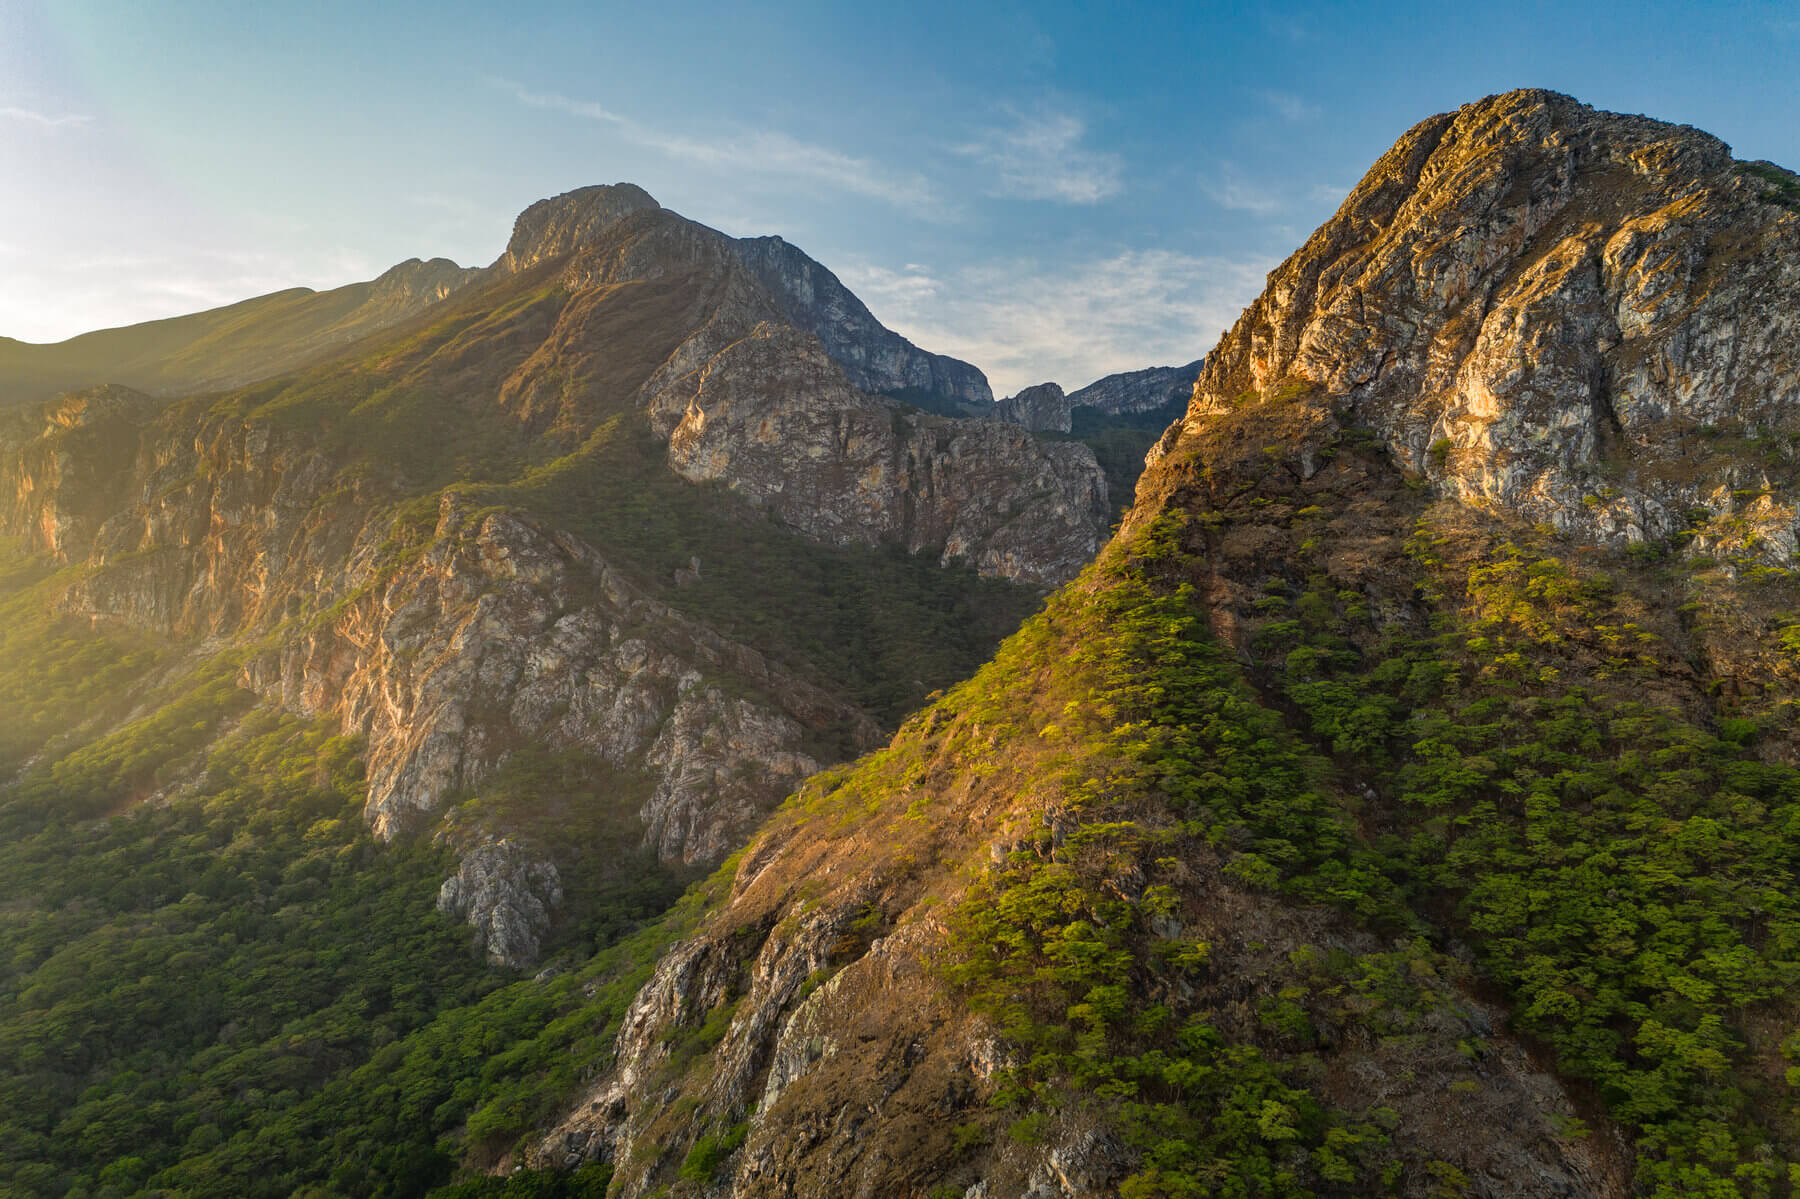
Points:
[(769, 403), (508, 894), (772, 417), (562, 225), (1041, 409), (874, 358), (503, 634), (1536, 304)]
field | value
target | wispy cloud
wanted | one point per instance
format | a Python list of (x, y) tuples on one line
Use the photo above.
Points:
[(1023, 323), (759, 151), (1039, 156), (1228, 187), (43, 120), (1288, 106)]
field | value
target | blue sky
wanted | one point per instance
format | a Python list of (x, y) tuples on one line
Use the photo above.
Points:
[(1053, 191)]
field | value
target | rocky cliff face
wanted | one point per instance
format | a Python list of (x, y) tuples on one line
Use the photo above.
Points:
[(773, 418), (762, 403), (1138, 391), (497, 634), (1538, 305), (1387, 535), (874, 358), (1041, 409), (450, 646)]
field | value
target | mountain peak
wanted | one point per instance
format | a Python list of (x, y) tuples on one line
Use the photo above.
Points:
[(1534, 303), (567, 222)]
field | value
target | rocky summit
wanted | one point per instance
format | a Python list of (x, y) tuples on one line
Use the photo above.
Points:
[(1538, 306), (1042, 409)]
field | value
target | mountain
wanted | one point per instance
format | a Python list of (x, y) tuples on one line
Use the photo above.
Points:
[(1042, 409), (230, 346), (1404, 802), (361, 694), (1138, 391), (1118, 417), (874, 359)]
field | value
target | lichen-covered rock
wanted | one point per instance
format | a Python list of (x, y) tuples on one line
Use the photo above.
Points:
[(1537, 304)]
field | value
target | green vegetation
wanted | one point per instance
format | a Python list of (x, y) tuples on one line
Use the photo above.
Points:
[(1120, 443), (238, 993), (57, 674), (1783, 186), (1504, 780), (231, 990), (1625, 875), (1066, 944)]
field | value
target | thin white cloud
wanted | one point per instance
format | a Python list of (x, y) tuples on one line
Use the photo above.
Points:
[(768, 152), (1228, 188), (1288, 106), (43, 120), (1039, 156), (1023, 323)]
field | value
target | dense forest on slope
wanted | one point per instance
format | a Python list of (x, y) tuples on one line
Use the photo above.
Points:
[(1338, 799)]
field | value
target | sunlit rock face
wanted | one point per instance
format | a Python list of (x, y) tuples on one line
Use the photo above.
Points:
[(1534, 303)]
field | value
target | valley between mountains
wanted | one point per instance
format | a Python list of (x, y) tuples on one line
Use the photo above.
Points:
[(621, 721)]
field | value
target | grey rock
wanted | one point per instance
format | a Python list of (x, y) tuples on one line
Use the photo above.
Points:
[(874, 358), (1138, 391), (508, 895), (1537, 305), (1041, 409)]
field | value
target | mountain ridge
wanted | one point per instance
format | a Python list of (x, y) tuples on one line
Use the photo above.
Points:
[(1334, 694)]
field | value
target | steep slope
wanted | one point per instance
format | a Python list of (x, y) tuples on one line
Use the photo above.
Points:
[(527, 609), (1371, 817), (229, 346), (874, 358), (1042, 409)]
